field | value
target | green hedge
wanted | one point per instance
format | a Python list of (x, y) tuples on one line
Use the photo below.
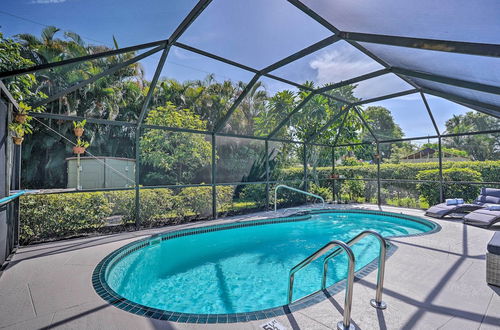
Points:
[(430, 190), (490, 170), (52, 216)]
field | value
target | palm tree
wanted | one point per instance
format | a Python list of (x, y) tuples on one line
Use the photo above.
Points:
[(252, 106)]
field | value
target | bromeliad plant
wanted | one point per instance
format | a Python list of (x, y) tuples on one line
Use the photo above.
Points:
[(21, 114), (78, 127), (19, 130), (80, 146), (21, 126)]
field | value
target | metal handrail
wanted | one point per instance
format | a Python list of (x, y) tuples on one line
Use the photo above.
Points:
[(10, 198), (296, 190), (377, 302), (346, 323)]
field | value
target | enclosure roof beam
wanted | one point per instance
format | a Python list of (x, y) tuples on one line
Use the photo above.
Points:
[(470, 48), (353, 144), (215, 57), (363, 120), (46, 115), (424, 99), (341, 127), (45, 66), (188, 20), (447, 80), (465, 101), (493, 131), (194, 131), (388, 96), (301, 53), (176, 129), (496, 131), (236, 103), (353, 80), (109, 71), (250, 69), (409, 139), (5, 91), (329, 123), (152, 86), (287, 118), (311, 13)]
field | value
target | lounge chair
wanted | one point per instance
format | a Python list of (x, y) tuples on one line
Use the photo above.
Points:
[(487, 197), (486, 217), (442, 210)]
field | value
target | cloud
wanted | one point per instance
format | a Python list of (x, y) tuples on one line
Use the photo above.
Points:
[(347, 62), (47, 2), (340, 64)]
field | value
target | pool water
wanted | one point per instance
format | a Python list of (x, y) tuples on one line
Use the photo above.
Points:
[(246, 269)]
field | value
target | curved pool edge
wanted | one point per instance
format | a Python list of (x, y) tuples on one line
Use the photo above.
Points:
[(109, 295)]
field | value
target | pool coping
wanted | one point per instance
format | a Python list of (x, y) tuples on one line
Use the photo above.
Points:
[(109, 295)]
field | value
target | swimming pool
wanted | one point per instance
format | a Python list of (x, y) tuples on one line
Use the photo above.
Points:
[(238, 268)]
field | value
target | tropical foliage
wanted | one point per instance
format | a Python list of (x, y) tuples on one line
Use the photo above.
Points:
[(180, 157)]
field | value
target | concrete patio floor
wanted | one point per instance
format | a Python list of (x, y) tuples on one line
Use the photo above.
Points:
[(434, 281)]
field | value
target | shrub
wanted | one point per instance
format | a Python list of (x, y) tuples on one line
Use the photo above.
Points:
[(57, 215), (254, 193), (198, 200), (404, 202), (121, 201), (224, 197), (287, 197), (354, 189), (53, 216), (156, 204), (430, 190), (490, 170), (324, 192)]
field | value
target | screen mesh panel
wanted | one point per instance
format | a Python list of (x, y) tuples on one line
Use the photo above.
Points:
[(448, 20), (244, 31)]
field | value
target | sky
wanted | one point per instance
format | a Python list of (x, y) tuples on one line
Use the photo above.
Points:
[(256, 33)]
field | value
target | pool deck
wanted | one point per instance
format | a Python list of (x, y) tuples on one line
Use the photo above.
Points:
[(434, 281)]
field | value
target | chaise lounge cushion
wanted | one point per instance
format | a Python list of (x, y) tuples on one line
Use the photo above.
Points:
[(490, 192), (492, 200), (482, 217), (494, 244), (441, 210)]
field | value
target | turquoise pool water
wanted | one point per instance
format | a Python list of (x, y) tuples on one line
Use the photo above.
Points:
[(246, 269)]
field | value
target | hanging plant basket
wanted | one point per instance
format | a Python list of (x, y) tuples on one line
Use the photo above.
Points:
[(17, 140), (78, 150), (21, 117), (78, 131)]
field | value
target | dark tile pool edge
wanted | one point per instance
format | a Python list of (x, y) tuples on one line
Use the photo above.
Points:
[(109, 295)]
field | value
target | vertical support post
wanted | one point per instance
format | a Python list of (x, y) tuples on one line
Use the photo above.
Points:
[(441, 185), (379, 158), (214, 177), (304, 156), (78, 170), (334, 181), (16, 182), (267, 174), (16, 185), (137, 178)]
